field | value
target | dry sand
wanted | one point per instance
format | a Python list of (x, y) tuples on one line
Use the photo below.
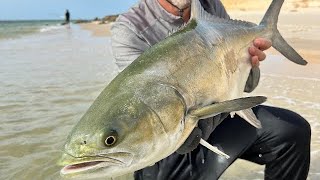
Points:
[(96, 28)]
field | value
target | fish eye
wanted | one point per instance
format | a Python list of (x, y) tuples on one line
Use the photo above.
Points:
[(110, 140)]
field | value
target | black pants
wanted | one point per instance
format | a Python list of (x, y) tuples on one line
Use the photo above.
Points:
[(283, 145)]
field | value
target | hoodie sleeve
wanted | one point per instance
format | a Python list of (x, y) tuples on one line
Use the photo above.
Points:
[(126, 44)]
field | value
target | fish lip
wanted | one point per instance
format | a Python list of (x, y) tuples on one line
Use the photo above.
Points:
[(83, 166), (72, 168), (91, 163)]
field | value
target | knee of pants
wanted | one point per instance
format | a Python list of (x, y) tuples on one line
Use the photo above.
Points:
[(282, 125), (295, 129), (282, 131), (303, 134)]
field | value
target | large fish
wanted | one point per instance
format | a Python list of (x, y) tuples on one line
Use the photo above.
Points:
[(148, 110)]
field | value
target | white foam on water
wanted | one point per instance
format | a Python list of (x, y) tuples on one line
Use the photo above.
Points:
[(286, 99), (291, 77), (51, 28), (312, 105)]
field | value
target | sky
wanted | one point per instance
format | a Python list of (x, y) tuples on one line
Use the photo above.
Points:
[(55, 9)]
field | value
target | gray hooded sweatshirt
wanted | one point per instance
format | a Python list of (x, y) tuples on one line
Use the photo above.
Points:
[(147, 23)]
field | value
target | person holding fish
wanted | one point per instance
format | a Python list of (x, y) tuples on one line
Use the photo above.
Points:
[(283, 142)]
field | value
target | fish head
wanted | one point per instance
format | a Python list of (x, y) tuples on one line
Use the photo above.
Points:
[(112, 140)]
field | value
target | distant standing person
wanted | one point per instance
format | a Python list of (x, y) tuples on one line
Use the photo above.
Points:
[(67, 17)]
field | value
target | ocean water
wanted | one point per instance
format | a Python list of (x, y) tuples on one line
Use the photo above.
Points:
[(49, 79), (16, 29)]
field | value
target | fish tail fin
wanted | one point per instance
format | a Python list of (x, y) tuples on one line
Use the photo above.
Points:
[(270, 21)]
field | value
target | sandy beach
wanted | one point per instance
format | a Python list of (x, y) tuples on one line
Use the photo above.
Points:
[(97, 29)]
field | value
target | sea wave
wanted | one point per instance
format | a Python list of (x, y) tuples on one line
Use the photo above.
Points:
[(17, 29), (51, 28)]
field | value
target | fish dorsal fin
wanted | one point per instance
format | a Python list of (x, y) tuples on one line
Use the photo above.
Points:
[(241, 23), (227, 106), (199, 14)]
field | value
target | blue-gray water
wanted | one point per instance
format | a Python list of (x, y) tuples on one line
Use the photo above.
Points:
[(16, 29), (49, 79)]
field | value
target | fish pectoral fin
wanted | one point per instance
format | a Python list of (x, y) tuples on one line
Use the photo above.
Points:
[(250, 117), (227, 106)]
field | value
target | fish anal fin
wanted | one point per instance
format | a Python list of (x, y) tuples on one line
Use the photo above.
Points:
[(250, 117)]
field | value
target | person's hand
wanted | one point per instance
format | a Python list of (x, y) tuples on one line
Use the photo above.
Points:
[(257, 55), (256, 51)]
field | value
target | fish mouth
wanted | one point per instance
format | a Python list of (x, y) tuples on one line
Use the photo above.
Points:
[(73, 165), (88, 165), (80, 167)]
